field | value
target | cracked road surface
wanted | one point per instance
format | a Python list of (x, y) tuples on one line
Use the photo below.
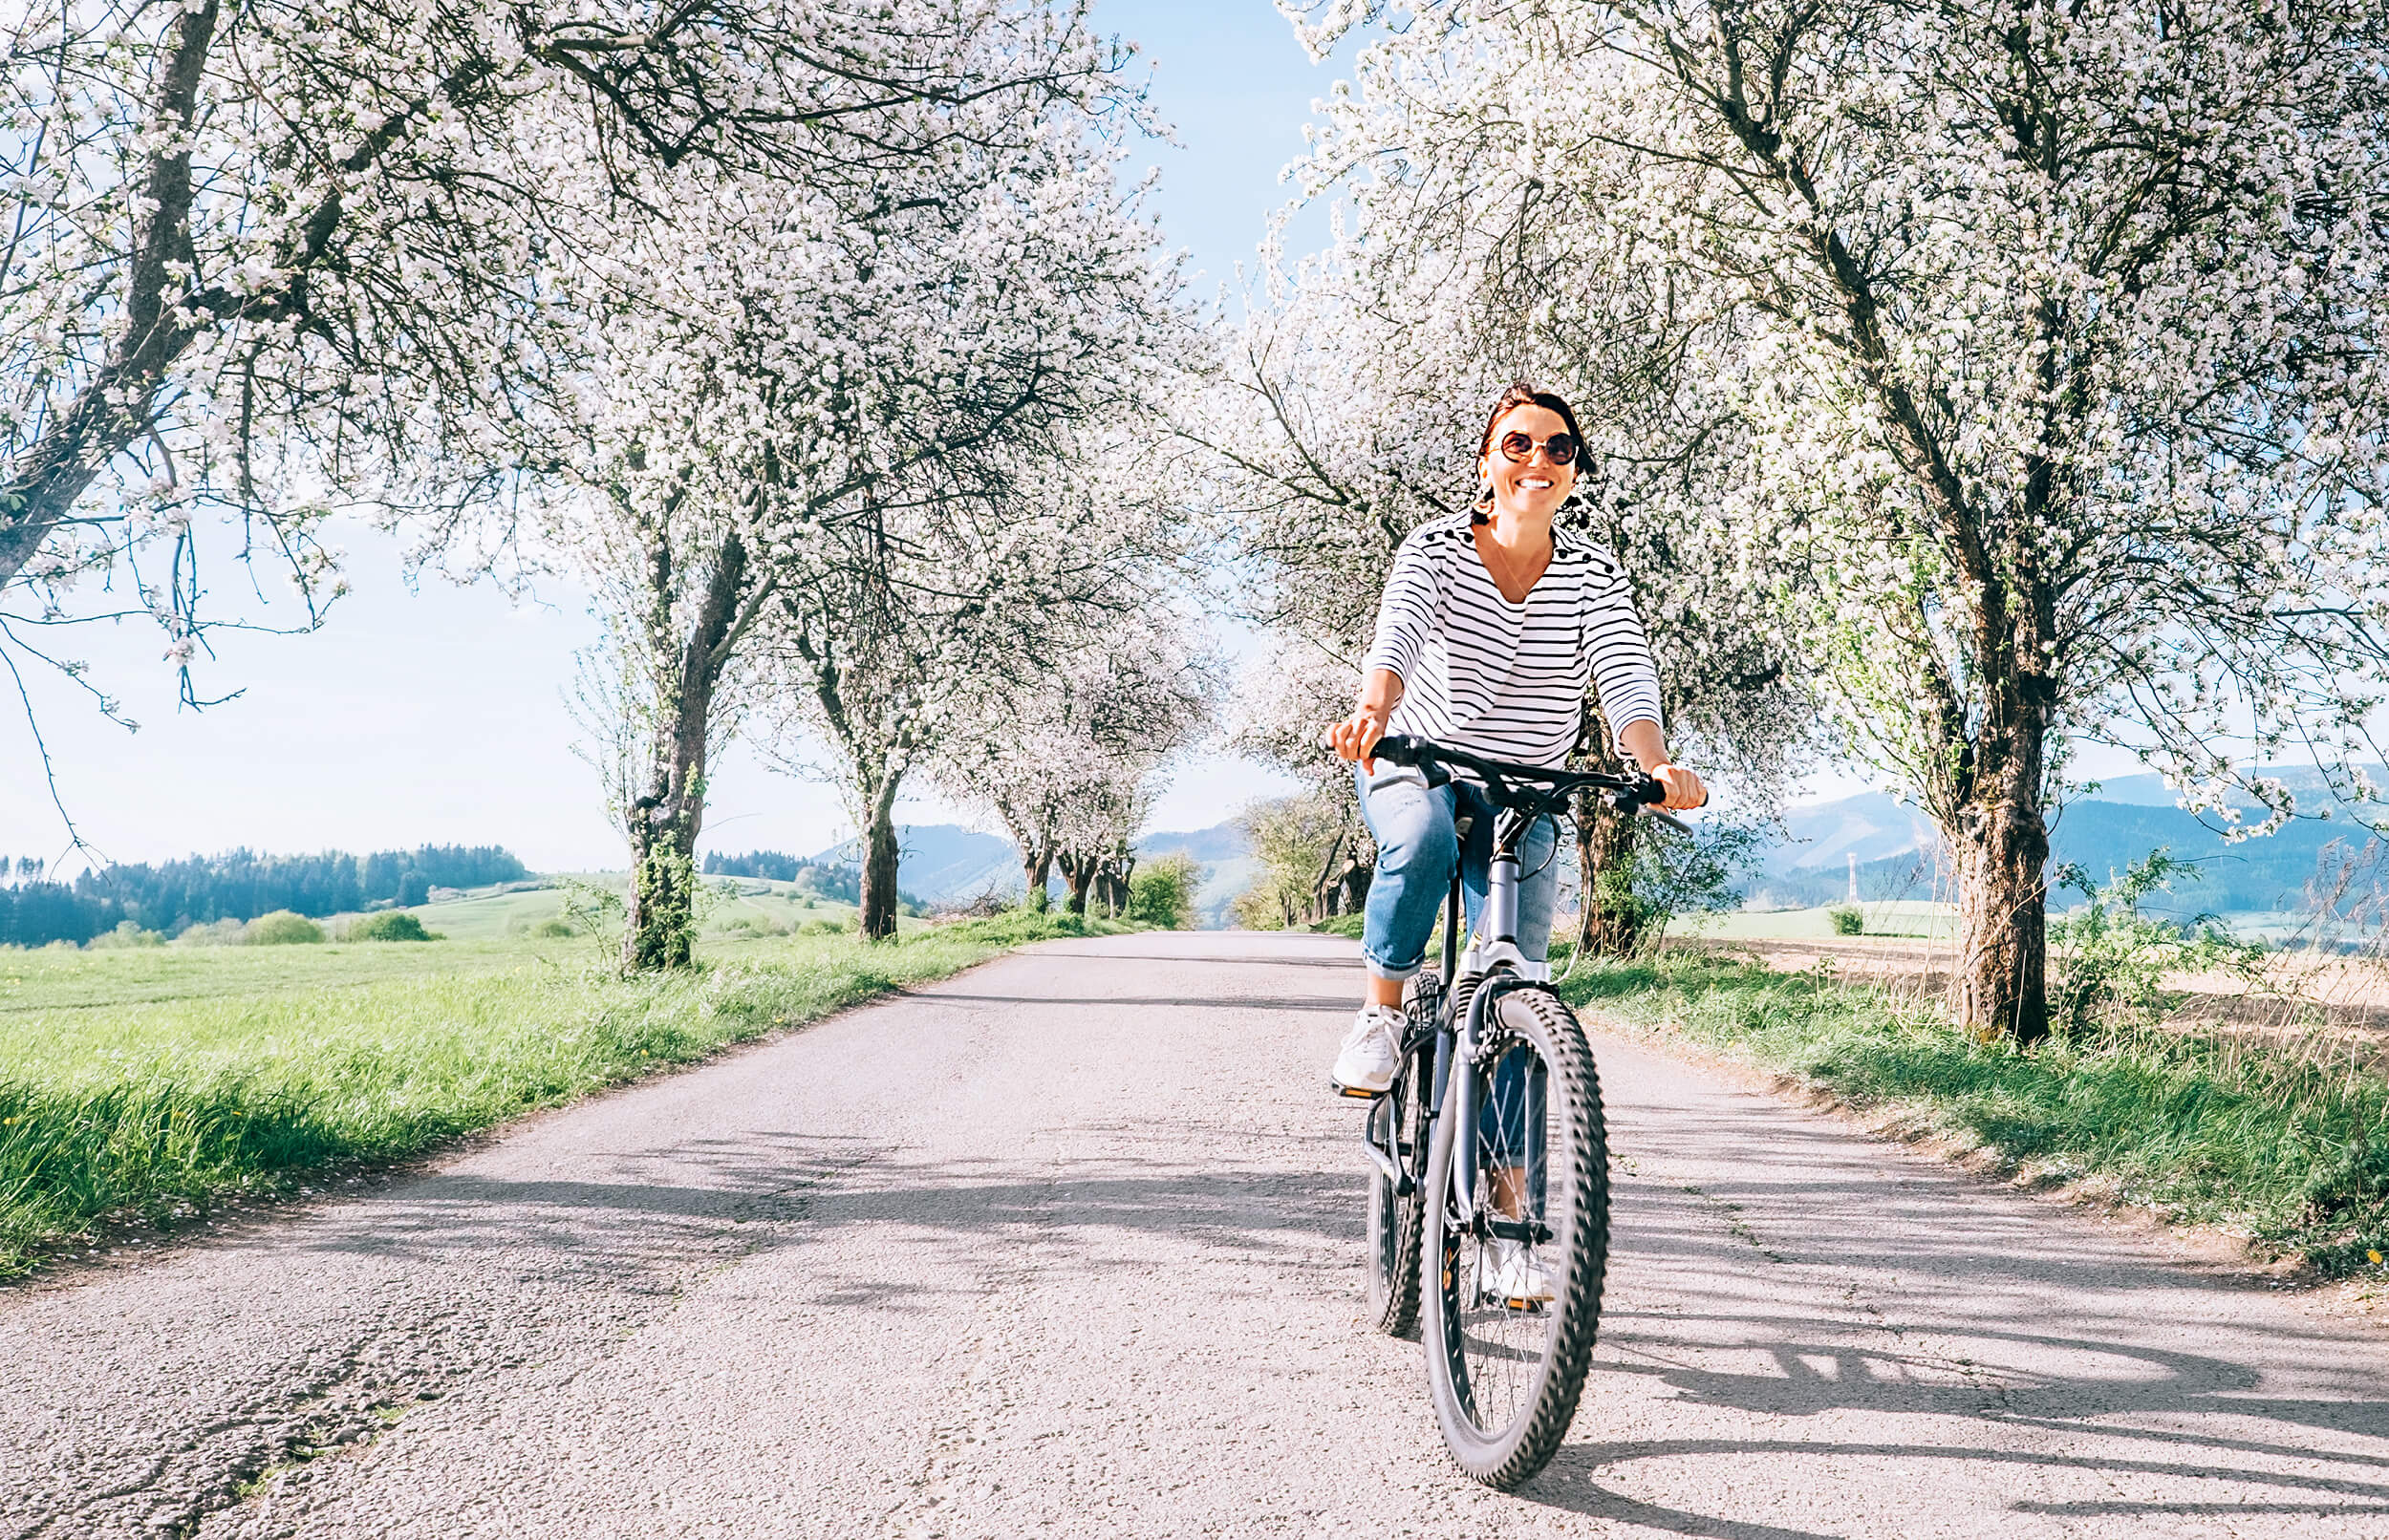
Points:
[(1070, 1246)]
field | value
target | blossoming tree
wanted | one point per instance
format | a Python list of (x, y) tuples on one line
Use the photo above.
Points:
[(821, 397), (268, 258)]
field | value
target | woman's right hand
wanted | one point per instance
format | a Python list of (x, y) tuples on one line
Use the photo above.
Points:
[(1356, 734)]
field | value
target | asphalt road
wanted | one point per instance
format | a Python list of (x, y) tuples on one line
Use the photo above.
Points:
[(1070, 1246)]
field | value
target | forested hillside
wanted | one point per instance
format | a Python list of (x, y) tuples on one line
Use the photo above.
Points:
[(240, 886), (2098, 834)]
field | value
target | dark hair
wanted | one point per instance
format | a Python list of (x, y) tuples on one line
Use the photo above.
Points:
[(1516, 396)]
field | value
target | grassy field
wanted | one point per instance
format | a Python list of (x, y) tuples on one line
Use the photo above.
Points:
[(2288, 1146), (147, 1083), (759, 906), (1892, 918)]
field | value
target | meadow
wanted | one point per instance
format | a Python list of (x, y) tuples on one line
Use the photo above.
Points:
[(146, 1084)]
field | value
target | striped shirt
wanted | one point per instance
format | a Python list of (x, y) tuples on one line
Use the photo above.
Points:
[(1506, 680)]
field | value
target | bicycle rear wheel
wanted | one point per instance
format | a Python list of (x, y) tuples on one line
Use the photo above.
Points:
[(1504, 1366), (1397, 1124)]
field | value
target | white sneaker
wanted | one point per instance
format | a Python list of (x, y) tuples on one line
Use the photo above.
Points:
[(1512, 1275), (1371, 1050)]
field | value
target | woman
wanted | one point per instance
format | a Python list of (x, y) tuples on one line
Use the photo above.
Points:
[(1492, 625)]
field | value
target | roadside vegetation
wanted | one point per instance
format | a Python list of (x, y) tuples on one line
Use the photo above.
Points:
[(152, 1084), (2284, 1143)]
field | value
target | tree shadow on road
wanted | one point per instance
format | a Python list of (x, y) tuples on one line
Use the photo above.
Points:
[(770, 1192), (1973, 1330)]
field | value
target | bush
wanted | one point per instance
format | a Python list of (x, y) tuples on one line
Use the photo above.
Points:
[(2110, 960), (127, 934), (553, 930), (282, 928), (1848, 920), (1672, 873), (1347, 925), (391, 925), (821, 927), (216, 934), (1162, 892)]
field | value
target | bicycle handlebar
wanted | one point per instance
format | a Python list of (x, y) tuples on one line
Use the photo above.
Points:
[(1628, 792)]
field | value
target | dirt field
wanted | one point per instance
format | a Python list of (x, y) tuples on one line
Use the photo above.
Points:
[(2302, 990)]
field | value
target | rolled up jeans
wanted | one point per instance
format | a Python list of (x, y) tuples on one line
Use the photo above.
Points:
[(1413, 824)]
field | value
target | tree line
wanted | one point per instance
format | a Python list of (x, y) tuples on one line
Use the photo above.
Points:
[(839, 881), (241, 884)]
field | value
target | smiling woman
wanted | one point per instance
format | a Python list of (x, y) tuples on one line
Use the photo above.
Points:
[(1492, 625)]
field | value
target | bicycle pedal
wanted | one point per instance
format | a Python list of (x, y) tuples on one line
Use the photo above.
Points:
[(1342, 1089)]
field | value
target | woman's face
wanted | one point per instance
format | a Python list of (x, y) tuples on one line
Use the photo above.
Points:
[(1532, 486)]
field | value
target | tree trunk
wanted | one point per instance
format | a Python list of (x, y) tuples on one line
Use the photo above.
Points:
[(1114, 881), (1078, 870), (662, 919), (2002, 982), (877, 918), (1610, 918), (1036, 871), (663, 824), (1331, 879), (2000, 845)]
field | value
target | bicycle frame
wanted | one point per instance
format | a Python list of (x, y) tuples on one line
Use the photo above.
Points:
[(1493, 957)]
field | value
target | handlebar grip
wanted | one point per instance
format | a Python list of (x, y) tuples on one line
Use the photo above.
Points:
[(1645, 792), (1399, 747), (1650, 794)]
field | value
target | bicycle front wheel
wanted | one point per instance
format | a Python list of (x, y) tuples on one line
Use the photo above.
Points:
[(1513, 1299)]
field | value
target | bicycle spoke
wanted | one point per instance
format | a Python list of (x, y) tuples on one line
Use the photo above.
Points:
[(1502, 1279)]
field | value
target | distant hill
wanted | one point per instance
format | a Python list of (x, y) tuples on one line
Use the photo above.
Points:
[(937, 864), (1221, 842), (1894, 846), (2101, 834), (946, 862), (2302, 780), (942, 863)]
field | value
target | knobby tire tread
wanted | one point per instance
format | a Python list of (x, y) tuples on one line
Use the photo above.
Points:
[(1393, 1287), (1506, 1464)]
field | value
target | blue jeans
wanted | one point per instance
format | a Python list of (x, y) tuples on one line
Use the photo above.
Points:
[(1413, 824)]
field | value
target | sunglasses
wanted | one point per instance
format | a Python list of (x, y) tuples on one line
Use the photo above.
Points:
[(1559, 448)]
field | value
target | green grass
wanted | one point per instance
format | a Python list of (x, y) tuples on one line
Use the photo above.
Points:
[(488, 916), (2288, 1144), (148, 1085)]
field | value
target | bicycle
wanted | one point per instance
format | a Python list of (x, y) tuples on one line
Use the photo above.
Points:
[(1497, 1092)]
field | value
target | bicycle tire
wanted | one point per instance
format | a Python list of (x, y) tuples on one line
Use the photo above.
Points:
[(1523, 1440), (1396, 1223)]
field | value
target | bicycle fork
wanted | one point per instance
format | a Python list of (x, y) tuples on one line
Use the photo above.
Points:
[(1499, 965)]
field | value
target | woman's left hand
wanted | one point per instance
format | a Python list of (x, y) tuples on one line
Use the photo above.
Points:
[(1642, 739), (1684, 788)]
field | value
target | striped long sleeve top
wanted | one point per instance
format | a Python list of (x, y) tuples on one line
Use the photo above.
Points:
[(1505, 681)]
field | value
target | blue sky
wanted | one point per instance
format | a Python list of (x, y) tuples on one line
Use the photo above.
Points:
[(424, 712)]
